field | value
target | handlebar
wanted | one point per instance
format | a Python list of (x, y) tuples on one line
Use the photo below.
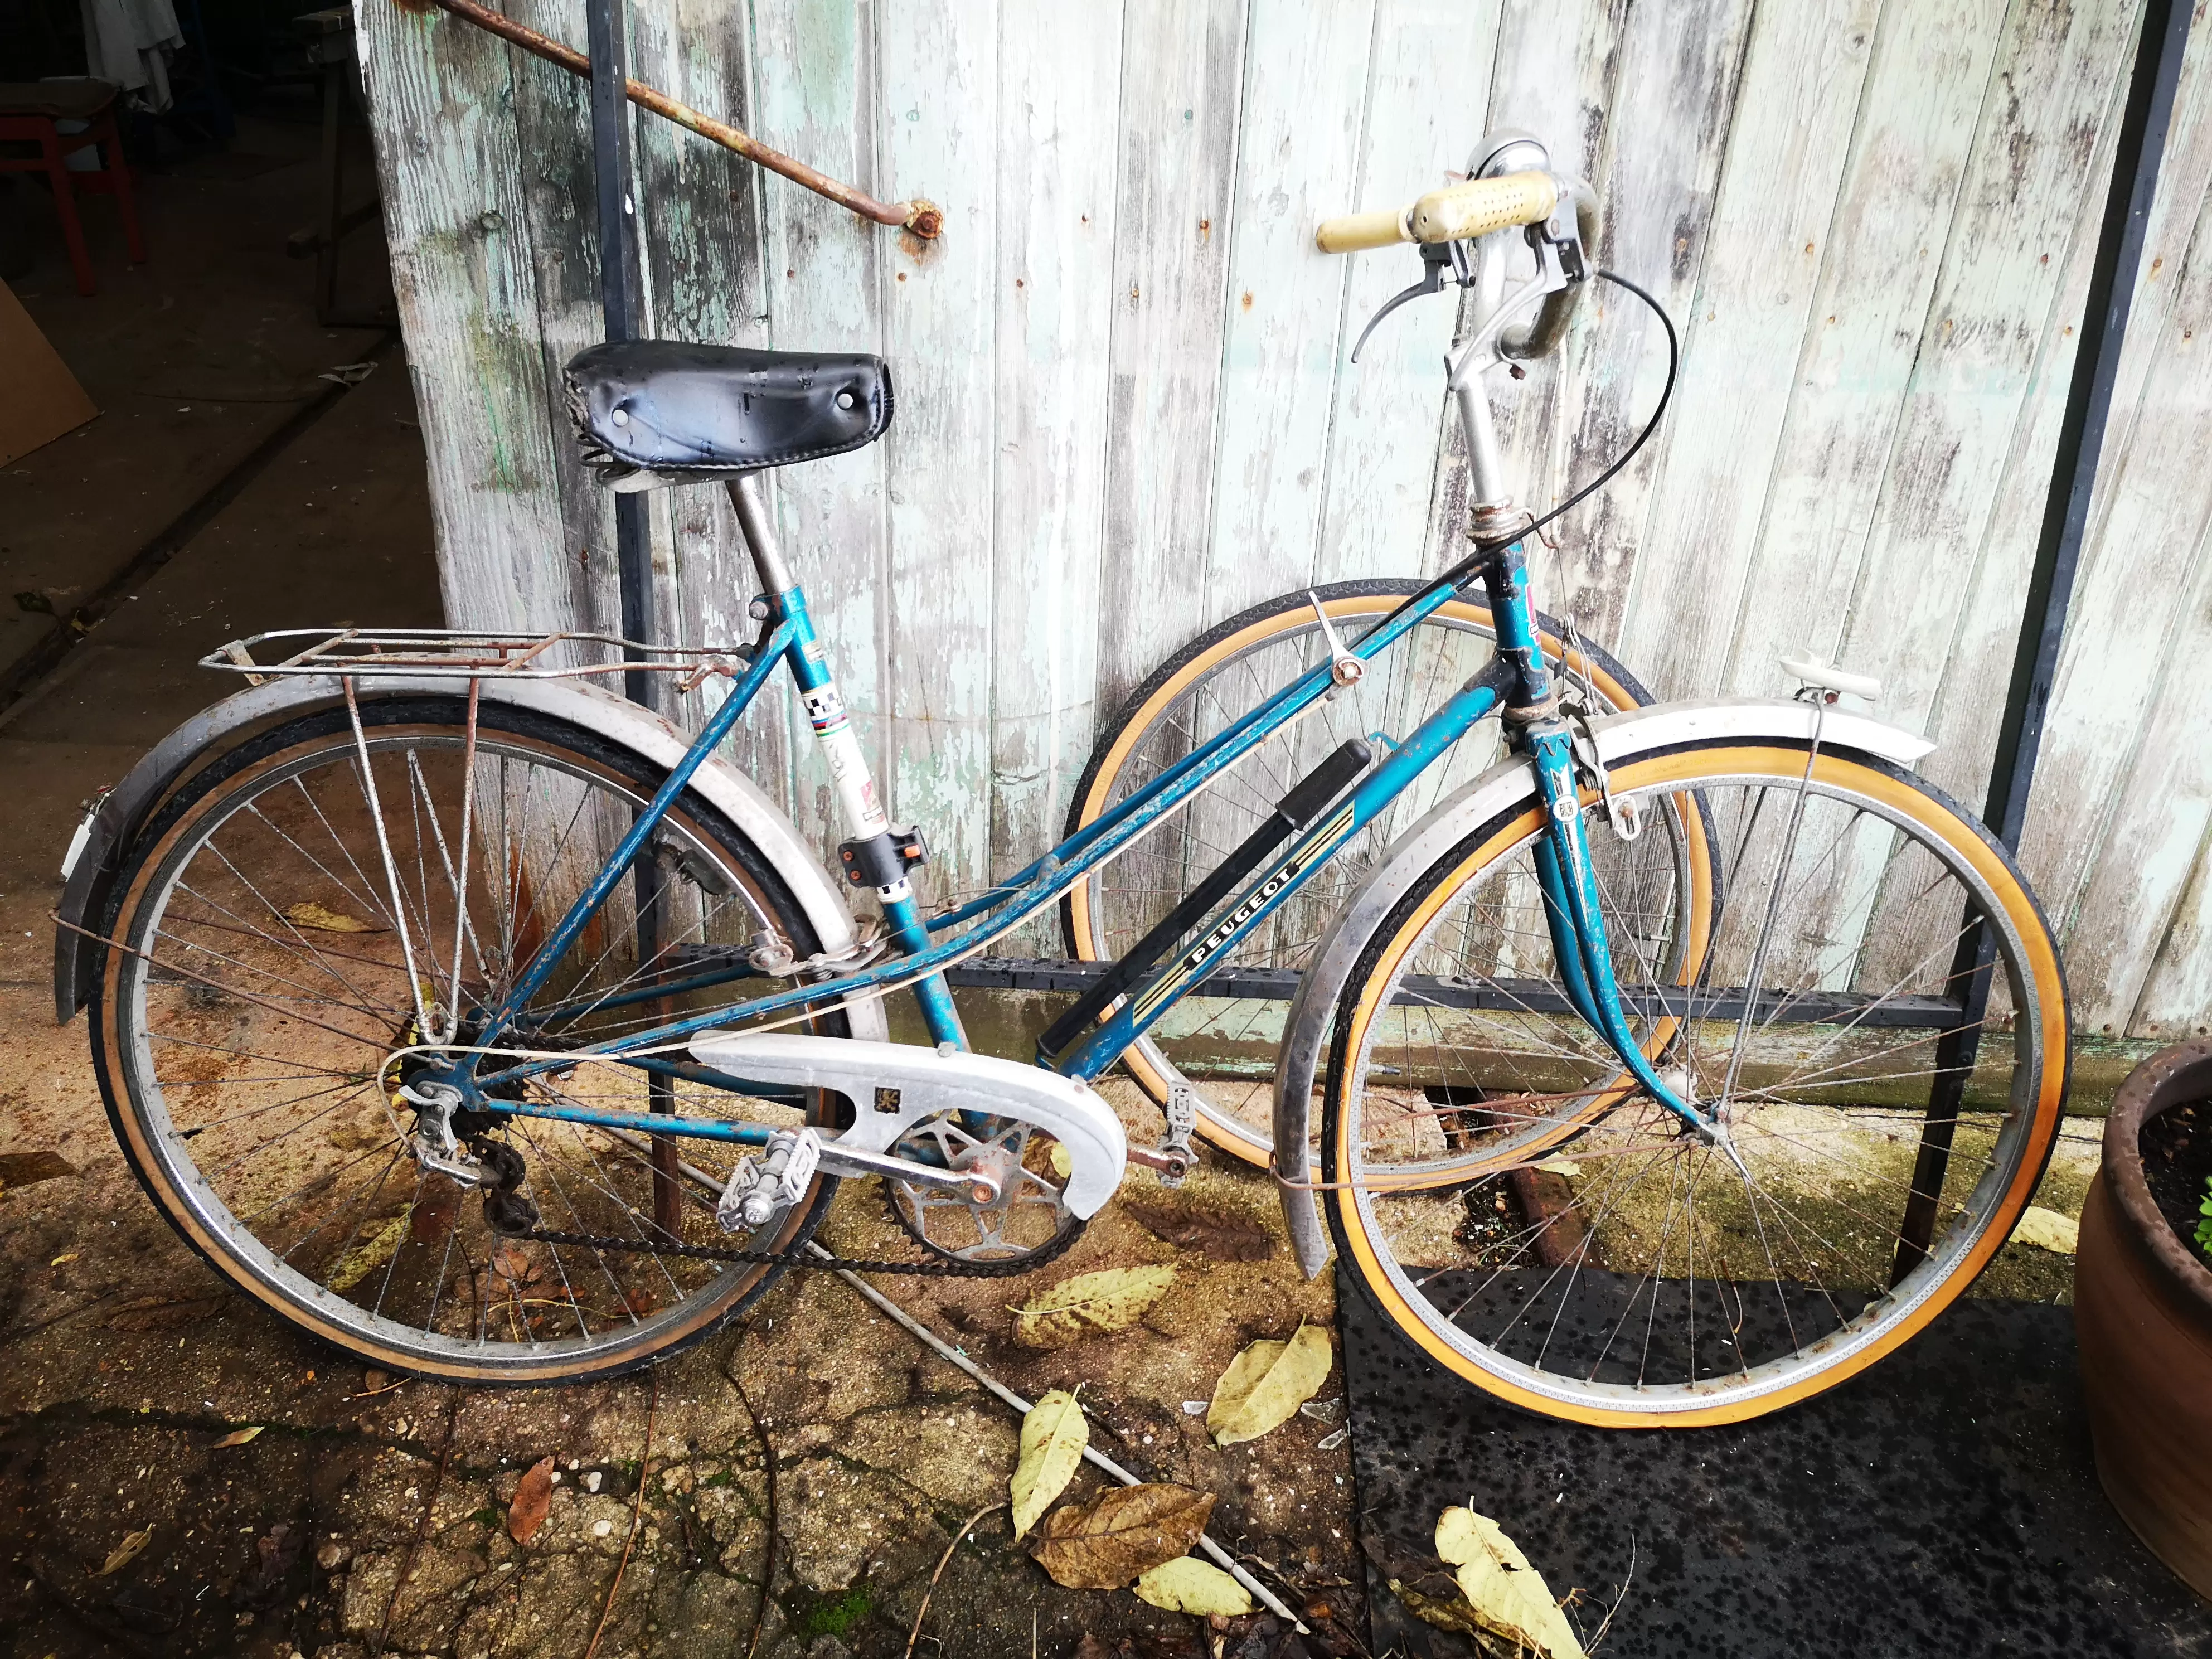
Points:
[(1474, 207)]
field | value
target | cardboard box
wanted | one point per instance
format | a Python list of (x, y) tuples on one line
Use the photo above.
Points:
[(39, 399)]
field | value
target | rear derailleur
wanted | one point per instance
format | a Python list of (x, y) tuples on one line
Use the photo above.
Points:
[(456, 1142)]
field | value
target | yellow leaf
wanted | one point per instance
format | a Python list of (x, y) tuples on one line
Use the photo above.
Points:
[(1509, 1597), (1054, 1434), (1089, 1304), (2048, 1229), (1266, 1382), (238, 1437), (1189, 1585), (66, 1256), (1063, 1164), (379, 1249), (327, 920), (125, 1552), (1561, 1166)]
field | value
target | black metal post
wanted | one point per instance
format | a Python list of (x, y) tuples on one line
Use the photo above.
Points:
[(2141, 147), (618, 300), (618, 294), (2136, 161)]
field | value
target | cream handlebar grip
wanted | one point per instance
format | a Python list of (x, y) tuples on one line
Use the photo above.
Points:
[(1474, 207)]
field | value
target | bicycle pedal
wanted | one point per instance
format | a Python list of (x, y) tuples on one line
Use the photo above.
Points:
[(760, 1188)]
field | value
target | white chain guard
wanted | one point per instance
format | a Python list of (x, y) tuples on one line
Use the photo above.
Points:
[(927, 1081)]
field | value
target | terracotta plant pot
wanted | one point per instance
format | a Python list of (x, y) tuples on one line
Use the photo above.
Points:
[(2143, 1312)]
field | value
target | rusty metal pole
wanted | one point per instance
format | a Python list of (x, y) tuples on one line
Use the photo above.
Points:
[(618, 304), (919, 215)]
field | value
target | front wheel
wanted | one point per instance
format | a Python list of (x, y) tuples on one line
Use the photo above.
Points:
[(289, 922), (1600, 1264)]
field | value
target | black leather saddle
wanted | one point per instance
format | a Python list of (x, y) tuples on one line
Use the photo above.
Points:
[(650, 412)]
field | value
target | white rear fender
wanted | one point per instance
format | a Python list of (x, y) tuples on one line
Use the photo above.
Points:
[(894, 1085), (1505, 788), (735, 795)]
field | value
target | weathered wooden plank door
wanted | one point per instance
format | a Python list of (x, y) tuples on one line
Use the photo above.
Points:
[(1126, 406)]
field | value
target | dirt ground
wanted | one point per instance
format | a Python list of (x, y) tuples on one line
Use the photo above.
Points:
[(367, 1514)]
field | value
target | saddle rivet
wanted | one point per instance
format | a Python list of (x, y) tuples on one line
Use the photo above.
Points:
[(622, 418)]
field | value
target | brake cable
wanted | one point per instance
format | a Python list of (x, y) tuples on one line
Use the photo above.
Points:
[(1456, 573)]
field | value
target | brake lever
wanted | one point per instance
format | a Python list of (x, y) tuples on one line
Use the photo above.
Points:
[(1436, 257)]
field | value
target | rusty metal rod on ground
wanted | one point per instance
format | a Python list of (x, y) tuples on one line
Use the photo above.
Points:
[(921, 217)]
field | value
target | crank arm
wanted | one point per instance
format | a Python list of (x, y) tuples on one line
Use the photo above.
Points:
[(838, 1159), (1175, 1163)]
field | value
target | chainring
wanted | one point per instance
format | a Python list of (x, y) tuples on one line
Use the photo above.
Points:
[(1026, 1226)]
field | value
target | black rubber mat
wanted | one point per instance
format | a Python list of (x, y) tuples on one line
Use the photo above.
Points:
[(1944, 1504)]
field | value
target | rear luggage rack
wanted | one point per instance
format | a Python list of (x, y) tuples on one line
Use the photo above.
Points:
[(448, 653)]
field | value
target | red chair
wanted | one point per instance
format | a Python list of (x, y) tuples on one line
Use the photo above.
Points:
[(29, 112)]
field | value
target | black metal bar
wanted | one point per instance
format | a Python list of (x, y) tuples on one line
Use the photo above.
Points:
[(2137, 156), (2136, 159), (618, 294), (1535, 996), (607, 33)]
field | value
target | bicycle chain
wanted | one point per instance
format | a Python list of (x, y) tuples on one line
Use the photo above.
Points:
[(505, 1206), (794, 1258)]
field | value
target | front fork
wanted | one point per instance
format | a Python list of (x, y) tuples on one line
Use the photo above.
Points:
[(1573, 909)]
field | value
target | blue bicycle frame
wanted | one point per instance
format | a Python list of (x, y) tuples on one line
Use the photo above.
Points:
[(1518, 680)]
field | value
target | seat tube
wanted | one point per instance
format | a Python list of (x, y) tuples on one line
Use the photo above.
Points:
[(859, 804)]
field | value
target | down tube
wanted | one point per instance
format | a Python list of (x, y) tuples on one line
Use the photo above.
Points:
[(1338, 824)]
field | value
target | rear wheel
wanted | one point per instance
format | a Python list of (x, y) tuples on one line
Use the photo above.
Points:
[(1597, 1262), (243, 1033), (1224, 1048)]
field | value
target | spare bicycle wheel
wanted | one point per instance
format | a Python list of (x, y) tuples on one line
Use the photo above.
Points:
[(1225, 1048)]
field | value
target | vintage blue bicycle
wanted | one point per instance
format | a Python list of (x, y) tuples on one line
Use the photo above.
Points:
[(1672, 1063)]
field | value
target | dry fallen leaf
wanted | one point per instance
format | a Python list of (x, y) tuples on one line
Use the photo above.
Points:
[(1127, 1532), (1216, 1240), (326, 921), (1063, 1162), (1449, 1613), (1266, 1382), (1189, 1585), (125, 1552), (1054, 1434), (1559, 1166), (66, 1256), (236, 1437), (2048, 1229), (533, 1496), (1509, 1597), (1089, 1304), (369, 1256)]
